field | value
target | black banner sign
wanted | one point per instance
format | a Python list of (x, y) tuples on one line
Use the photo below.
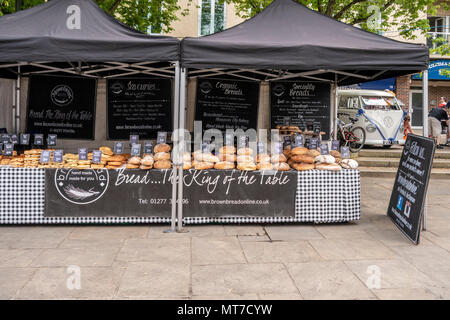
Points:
[(141, 106), (222, 193), (410, 186), (227, 104), (297, 103), (62, 105), (125, 192)]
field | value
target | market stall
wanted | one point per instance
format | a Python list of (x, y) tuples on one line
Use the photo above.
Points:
[(85, 84), (298, 57)]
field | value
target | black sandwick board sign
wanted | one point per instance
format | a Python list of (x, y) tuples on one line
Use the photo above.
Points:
[(108, 193), (227, 103), (410, 187)]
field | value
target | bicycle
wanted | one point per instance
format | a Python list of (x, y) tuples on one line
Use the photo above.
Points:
[(354, 137)]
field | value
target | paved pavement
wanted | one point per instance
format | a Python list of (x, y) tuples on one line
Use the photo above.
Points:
[(369, 259)]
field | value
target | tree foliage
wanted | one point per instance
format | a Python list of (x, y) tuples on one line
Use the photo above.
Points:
[(407, 17), (143, 15)]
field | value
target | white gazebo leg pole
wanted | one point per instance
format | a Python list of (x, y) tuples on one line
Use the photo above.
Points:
[(182, 143), (17, 103), (425, 134), (176, 106), (335, 107)]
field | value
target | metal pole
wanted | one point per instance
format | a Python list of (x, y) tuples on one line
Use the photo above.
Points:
[(17, 103), (19, 5), (175, 126), (182, 145), (335, 106), (425, 133)]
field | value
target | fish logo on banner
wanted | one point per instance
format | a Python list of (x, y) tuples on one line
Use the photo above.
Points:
[(73, 22), (278, 90), (81, 186), (206, 87)]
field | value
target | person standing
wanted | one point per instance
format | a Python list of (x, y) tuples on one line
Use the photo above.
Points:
[(435, 117), (442, 102)]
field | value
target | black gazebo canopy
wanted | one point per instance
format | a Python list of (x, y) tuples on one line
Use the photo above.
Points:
[(289, 36)]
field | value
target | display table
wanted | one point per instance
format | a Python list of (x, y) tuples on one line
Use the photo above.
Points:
[(317, 197)]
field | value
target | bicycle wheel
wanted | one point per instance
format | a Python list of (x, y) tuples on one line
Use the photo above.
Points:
[(356, 139)]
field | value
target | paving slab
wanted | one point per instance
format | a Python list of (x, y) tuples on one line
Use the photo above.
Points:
[(290, 232), (252, 296), (30, 237), (405, 294), (281, 296), (13, 279), (389, 274), (343, 231), (59, 283), (83, 257), (244, 230), (327, 280), (165, 250), (253, 238), (433, 261), (279, 251), (18, 257), (189, 231), (392, 237), (155, 279), (349, 249), (217, 280), (223, 250), (109, 232)]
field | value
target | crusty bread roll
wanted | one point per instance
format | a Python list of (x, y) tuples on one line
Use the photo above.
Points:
[(161, 156), (204, 165), (115, 163), (335, 153), (132, 166), (223, 165), (302, 158), (281, 166), (313, 153), (264, 166), (227, 157), (245, 152), (328, 166), (134, 160), (303, 166), (325, 159), (162, 164), (187, 165), (143, 167), (278, 158), (106, 151), (246, 166), (112, 167), (117, 157), (245, 158), (227, 150), (287, 151), (261, 158), (147, 161), (299, 151), (187, 157), (162, 147), (349, 164)]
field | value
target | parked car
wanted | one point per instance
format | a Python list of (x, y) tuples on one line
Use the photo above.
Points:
[(379, 114)]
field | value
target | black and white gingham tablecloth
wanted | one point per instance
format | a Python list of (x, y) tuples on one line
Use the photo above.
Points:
[(321, 197)]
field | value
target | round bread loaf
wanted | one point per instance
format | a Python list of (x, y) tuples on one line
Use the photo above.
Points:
[(302, 158), (325, 159), (132, 166), (147, 161), (224, 165), (349, 164), (227, 150), (134, 160), (278, 158), (227, 157), (161, 156), (143, 167), (245, 152), (245, 158), (328, 166), (162, 147), (106, 151), (246, 166), (299, 151), (187, 165), (117, 157), (281, 166), (303, 166), (204, 165), (335, 153), (261, 158), (162, 164), (264, 166), (115, 163), (313, 153)]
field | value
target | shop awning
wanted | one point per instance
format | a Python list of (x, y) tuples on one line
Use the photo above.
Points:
[(78, 32), (289, 36)]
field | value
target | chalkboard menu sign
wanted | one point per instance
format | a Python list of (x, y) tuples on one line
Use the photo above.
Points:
[(45, 156), (9, 149), (39, 139), (297, 103), (14, 139), (82, 154), (24, 139), (51, 139), (62, 105), (96, 156), (5, 138), (227, 104), (139, 106), (148, 147), (410, 186), (58, 155), (118, 147)]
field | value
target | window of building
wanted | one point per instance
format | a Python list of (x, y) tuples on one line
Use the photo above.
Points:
[(439, 29), (211, 16)]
